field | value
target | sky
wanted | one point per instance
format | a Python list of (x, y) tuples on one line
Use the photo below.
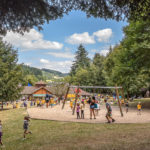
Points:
[(54, 47)]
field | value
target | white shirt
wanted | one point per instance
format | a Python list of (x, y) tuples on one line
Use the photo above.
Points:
[(82, 107)]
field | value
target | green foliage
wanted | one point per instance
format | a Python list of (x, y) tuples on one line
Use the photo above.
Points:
[(86, 72), (32, 74), (10, 73), (128, 64), (81, 60), (23, 15)]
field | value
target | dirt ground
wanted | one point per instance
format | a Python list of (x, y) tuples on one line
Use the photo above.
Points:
[(56, 113)]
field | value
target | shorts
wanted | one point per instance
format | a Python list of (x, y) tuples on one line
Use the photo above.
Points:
[(109, 114), (92, 106), (1, 134), (25, 127), (139, 109)]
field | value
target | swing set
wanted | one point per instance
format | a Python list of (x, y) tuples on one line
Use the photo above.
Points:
[(116, 88)]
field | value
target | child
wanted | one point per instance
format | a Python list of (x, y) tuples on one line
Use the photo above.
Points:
[(78, 111), (82, 109), (97, 108), (139, 106), (109, 112), (127, 106), (1, 133), (71, 105), (25, 126)]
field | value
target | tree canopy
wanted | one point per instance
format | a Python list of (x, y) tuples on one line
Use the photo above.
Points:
[(20, 16), (81, 59), (11, 76)]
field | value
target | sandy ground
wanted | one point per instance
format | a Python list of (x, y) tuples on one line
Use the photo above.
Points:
[(57, 114)]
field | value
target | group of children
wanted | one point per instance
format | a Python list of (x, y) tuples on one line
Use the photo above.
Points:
[(94, 108), (80, 110)]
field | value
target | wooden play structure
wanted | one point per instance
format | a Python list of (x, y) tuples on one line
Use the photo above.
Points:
[(78, 89)]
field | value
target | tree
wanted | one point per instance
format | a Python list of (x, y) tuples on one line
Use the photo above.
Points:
[(10, 74), (98, 62), (81, 59), (20, 16)]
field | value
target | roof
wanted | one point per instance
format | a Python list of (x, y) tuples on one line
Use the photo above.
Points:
[(28, 90), (81, 93)]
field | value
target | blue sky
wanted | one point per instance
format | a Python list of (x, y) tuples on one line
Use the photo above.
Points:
[(55, 45)]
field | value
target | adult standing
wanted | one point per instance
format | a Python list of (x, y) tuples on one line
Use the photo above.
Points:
[(92, 106), (109, 112)]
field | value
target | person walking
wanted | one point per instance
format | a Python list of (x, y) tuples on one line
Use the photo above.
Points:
[(109, 112)]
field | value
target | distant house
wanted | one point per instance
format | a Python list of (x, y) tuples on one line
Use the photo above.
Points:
[(38, 91), (41, 89)]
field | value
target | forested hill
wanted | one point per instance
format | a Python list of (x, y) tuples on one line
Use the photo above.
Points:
[(54, 72), (41, 74)]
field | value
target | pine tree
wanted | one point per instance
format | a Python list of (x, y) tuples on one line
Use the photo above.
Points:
[(81, 59), (10, 74)]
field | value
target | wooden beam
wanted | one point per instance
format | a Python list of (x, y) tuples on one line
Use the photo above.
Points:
[(97, 87), (117, 93), (65, 97), (77, 93)]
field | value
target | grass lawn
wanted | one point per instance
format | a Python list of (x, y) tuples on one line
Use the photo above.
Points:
[(51, 135)]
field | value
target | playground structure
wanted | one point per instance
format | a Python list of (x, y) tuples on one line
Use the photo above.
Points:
[(116, 88)]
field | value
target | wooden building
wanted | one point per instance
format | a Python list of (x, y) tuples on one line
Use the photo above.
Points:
[(41, 89)]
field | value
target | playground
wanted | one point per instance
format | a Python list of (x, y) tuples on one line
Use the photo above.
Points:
[(57, 114)]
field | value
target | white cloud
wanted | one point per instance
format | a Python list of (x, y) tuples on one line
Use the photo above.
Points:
[(44, 61), (62, 66), (103, 35), (32, 40), (83, 38), (62, 55), (94, 50), (104, 52)]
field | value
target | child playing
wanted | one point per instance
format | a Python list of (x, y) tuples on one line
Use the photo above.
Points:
[(78, 111), (82, 109), (25, 126), (71, 104), (139, 106), (109, 112), (127, 106), (1, 133)]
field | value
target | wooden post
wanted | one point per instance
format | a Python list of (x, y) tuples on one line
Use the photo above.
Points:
[(75, 101), (122, 92), (65, 97), (117, 93)]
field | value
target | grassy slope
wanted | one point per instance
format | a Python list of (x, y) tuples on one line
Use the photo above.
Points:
[(71, 136)]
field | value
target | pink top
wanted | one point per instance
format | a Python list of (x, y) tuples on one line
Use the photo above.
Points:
[(78, 108)]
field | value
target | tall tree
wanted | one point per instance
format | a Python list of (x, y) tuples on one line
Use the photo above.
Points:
[(98, 61), (81, 59), (10, 73)]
